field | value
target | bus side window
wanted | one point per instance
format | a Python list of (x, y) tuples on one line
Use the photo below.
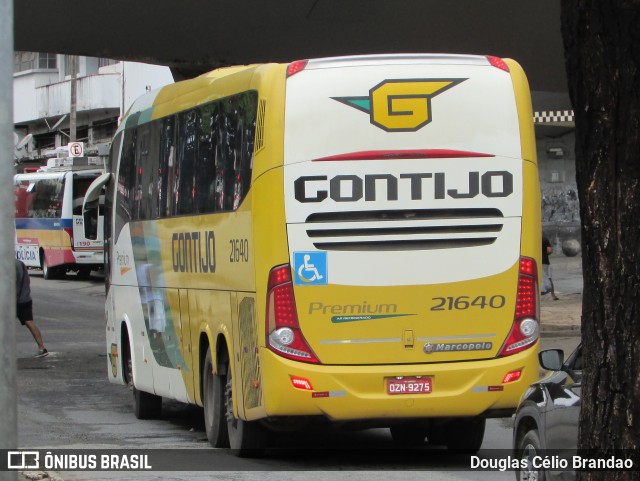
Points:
[(245, 131), (205, 180), (166, 173), (187, 154), (126, 180)]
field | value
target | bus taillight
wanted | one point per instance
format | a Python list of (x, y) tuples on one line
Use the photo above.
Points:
[(498, 62), (284, 336), (295, 67), (526, 328)]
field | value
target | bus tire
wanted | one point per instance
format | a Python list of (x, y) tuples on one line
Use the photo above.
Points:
[(146, 405), (460, 435), (47, 272), (213, 400), (409, 435), (247, 439)]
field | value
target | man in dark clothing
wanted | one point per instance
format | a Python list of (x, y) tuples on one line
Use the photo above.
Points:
[(24, 306), (547, 281)]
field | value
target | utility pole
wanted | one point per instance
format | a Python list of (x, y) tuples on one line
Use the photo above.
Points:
[(8, 362), (74, 97)]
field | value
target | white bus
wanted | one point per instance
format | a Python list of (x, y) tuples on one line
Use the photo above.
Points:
[(49, 223)]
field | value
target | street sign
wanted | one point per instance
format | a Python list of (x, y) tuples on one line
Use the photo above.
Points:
[(76, 149)]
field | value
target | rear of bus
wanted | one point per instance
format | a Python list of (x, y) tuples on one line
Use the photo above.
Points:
[(412, 212), (49, 223)]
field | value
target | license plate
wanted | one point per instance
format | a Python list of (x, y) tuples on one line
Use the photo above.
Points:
[(409, 385)]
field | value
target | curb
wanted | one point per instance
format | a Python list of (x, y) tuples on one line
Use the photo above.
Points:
[(38, 476), (559, 330)]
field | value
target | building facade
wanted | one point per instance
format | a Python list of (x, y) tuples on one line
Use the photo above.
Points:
[(42, 86)]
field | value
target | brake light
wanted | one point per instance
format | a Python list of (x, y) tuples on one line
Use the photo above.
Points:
[(295, 67), (69, 231), (498, 62), (526, 328), (512, 376), (301, 383), (284, 336)]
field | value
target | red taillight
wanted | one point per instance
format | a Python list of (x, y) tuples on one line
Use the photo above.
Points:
[(526, 328), (284, 336), (512, 376), (301, 383), (69, 231), (295, 67), (498, 62)]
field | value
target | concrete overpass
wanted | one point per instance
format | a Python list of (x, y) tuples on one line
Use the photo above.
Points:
[(192, 36)]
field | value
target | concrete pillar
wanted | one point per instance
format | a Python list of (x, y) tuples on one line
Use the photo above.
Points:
[(8, 363)]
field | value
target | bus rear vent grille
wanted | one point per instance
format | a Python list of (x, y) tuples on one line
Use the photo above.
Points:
[(404, 229), (259, 142)]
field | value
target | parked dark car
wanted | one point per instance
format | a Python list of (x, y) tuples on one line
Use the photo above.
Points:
[(547, 417)]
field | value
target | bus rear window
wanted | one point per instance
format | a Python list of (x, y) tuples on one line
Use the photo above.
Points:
[(39, 198)]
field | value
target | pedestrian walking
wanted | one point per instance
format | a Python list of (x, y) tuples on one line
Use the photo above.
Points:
[(24, 306), (547, 281)]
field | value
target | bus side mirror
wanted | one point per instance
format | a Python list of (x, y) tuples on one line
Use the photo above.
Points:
[(91, 206)]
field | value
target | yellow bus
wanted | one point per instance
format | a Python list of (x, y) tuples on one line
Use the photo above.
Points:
[(354, 239)]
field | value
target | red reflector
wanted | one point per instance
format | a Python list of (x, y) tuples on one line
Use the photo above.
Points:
[(512, 376), (402, 154), (301, 383), (498, 62), (295, 67)]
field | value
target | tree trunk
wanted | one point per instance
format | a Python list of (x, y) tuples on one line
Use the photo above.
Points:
[(602, 54)]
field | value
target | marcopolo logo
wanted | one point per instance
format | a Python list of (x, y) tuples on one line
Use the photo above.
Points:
[(400, 105)]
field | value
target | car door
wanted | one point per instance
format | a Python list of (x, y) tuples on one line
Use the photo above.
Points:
[(564, 406)]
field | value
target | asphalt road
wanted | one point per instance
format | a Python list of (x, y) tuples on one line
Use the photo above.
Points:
[(66, 402)]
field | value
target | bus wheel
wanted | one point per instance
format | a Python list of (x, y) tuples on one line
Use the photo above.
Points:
[(47, 272), (460, 435), (247, 439), (409, 435), (146, 405), (213, 398)]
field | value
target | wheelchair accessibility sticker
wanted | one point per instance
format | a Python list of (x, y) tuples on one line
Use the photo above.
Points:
[(310, 268)]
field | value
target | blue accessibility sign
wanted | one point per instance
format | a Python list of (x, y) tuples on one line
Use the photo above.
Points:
[(310, 268)]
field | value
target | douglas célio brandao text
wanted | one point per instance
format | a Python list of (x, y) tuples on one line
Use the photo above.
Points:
[(551, 462)]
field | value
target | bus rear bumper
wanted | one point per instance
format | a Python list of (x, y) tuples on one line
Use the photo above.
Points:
[(351, 393), (94, 257)]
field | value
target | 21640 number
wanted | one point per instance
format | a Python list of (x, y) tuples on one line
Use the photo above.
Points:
[(461, 303)]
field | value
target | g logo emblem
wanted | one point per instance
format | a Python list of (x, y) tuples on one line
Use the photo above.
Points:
[(400, 105)]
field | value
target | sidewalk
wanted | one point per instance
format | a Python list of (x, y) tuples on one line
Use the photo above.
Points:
[(562, 317)]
